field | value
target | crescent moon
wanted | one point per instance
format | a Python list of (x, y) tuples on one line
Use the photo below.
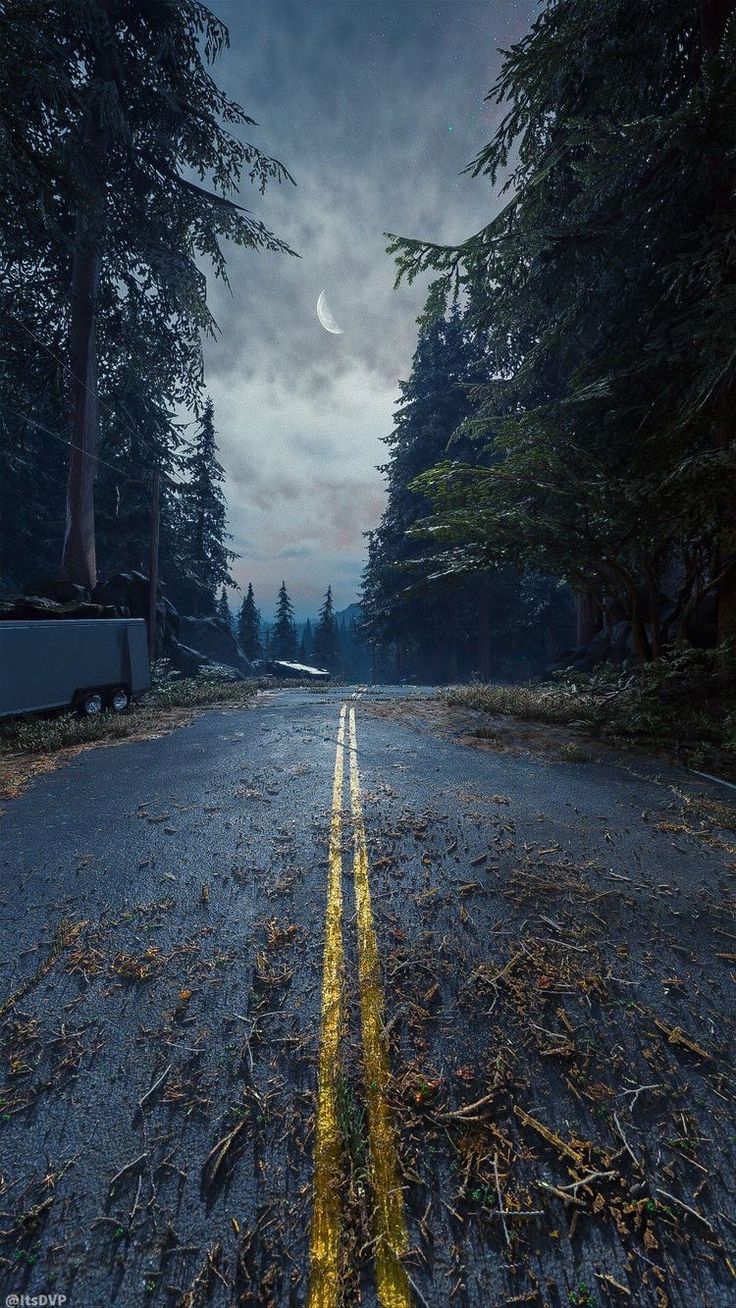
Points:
[(324, 313)]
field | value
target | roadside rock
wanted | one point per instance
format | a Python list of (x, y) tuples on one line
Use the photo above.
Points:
[(21, 608), (214, 639), (49, 587)]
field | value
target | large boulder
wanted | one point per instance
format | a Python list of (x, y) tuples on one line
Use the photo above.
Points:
[(127, 591), (215, 640), (585, 657)]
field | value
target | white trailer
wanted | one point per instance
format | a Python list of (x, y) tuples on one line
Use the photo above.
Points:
[(81, 664)]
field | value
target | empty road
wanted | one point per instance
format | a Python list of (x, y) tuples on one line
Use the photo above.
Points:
[(318, 1003)]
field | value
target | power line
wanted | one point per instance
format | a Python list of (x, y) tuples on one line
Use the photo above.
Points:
[(68, 369), (32, 422), (137, 481), (95, 396)]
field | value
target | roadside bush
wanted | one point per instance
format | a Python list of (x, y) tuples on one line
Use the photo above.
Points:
[(684, 702)]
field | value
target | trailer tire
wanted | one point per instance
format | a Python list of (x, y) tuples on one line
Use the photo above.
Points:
[(89, 704), (119, 699)]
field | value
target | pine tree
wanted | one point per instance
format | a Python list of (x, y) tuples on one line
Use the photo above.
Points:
[(109, 112), (223, 609), (283, 643), (207, 560), (249, 626), (306, 648), (606, 285), (326, 636), (403, 605)]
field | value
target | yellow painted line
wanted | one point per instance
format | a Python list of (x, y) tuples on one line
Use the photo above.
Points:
[(324, 1258), (390, 1232)]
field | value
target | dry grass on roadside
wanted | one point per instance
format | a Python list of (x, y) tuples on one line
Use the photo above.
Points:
[(45, 735), (537, 703), (684, 704)]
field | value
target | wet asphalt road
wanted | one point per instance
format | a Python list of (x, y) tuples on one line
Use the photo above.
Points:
[(556, 954)]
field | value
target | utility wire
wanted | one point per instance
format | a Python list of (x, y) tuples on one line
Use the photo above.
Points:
[(137, 481), (24, 417), (67, 368)]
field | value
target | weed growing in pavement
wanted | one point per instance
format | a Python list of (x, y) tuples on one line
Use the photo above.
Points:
[(352, 1123), (582, 1296)]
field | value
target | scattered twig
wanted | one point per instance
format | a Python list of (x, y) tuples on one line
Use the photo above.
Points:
[(128, 1168), (505, 970), (500, 1200), (197, 1293), (157, 1083), (549, 1136), (586, 1180), (692, 1211), (218, 1155), (461, 1114), (134, 1209), (638, 1091), (561, 1194), (609, 1280), (627, 1146), (675, 1036), (416, 1291)]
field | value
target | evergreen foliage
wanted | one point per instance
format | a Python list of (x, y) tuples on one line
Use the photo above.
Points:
[(249, 626), (204, 556), (326, 648), (118, 164), (437, 614), (223, 608), (283, 635), (306, 644), (605, 288)]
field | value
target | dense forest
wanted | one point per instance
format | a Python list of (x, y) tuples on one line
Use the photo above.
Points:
[(569, 418), (561, 473), (119, 161)]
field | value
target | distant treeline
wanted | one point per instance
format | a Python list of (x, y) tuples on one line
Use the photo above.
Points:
[(336, 641), (570, 414)]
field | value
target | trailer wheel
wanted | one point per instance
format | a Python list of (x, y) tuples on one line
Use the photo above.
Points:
[(119, 699), (90, 704)]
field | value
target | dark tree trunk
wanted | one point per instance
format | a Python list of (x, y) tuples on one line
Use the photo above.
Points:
[(726, 589), (484, 629), (726, 593), (714, 15), (587, 616), (452, 645), (78, 560), (638, 627), (654, 622)]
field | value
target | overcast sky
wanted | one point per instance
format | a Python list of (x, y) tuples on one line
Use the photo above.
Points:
[(375, 107)]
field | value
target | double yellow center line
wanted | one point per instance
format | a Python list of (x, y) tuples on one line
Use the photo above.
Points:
[(389, 1237)]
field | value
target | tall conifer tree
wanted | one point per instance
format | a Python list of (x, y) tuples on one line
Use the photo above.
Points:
[(326, 635), (108, 113), (207, 558), (249, 626), (223, 608), (283, 640)]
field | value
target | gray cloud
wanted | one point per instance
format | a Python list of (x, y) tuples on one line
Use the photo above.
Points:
[(375, 109)]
